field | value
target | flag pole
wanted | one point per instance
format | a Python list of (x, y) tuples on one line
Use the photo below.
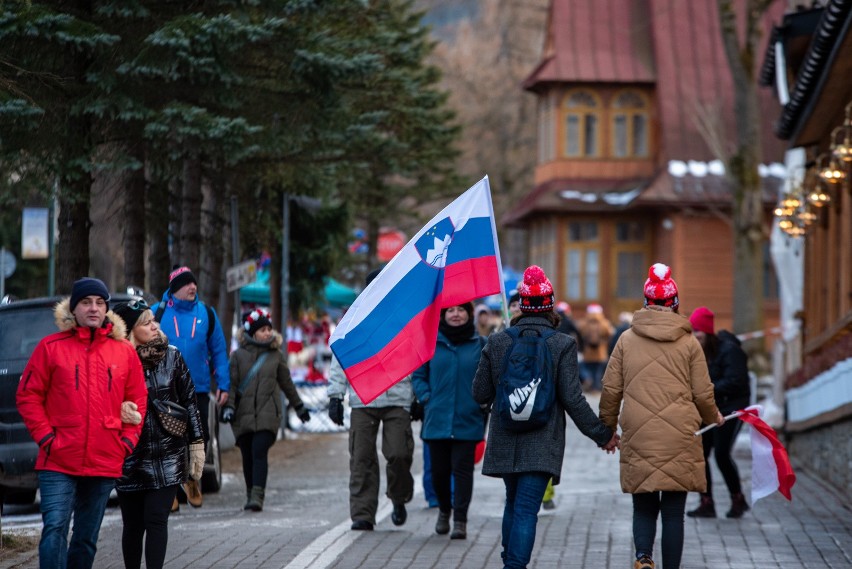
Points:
[(708, 427), (504, 307)]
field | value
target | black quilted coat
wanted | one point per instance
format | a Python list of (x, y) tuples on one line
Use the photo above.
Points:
[(160, 459)]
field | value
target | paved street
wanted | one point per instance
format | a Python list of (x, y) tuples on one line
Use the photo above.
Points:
[(305, 523)]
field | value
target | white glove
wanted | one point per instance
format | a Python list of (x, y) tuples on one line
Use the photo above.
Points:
[(196, 459), (129, 413)]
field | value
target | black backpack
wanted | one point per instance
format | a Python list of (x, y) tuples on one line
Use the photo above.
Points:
[(211, 318), (526, 391)]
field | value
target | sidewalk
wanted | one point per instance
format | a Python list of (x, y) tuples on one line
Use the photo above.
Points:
[(306, 523), (592, 527)]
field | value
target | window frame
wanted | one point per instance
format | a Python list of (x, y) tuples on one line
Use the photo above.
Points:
[(583, 112), (629, 114)]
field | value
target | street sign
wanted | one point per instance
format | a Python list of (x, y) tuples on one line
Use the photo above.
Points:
[(7, 263), (240, 275)]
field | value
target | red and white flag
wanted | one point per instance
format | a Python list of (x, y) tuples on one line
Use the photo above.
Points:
[(770, 465)]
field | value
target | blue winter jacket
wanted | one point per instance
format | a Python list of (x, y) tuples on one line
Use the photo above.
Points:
[(443, 386), (186, 323)]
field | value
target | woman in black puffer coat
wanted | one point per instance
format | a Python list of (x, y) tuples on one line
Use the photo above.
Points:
[(728, 367), (160, 462)]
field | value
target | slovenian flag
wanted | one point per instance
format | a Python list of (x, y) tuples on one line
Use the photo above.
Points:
[(391, 328), (770, 466)]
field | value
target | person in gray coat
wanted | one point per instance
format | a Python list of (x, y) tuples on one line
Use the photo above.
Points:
[(391, 410), (527, 460)]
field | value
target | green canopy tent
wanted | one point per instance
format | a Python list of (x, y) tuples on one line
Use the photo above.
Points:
[(337, 294)]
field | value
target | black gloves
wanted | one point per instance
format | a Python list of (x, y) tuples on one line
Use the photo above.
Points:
[(303, 413), (416, 411), (227, 414), (335, 410)]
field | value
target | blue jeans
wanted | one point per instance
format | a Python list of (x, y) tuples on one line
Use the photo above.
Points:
[(524, 492), (61, 496)]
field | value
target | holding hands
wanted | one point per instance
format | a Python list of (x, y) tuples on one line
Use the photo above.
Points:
[(613, 444)]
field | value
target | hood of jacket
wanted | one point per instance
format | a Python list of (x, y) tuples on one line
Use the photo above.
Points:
[(247, 341), (64, 318), (178, 304), (660, 324), (726, 336)]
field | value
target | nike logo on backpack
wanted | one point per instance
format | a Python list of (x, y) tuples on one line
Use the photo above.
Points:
[(522, 400)]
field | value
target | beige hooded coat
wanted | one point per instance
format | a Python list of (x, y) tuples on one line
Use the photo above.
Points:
[(658, 370)]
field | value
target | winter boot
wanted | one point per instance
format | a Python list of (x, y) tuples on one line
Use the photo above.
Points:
[(706, 509), (459, 530), (738, 506), (255, 503), (643, 562), (442, 526), (248, 498)]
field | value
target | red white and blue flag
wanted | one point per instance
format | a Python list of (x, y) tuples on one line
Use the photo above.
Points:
[(391, 328)]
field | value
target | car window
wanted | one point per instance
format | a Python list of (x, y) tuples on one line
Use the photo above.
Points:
[(22, 330)]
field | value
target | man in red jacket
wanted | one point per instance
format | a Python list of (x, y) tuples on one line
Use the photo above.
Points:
[(70, 397)]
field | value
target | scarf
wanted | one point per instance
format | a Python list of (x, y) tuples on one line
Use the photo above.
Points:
[(457, 334), (153, 352)]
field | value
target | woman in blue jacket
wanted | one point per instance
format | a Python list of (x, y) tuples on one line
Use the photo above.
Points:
[(452, 423)]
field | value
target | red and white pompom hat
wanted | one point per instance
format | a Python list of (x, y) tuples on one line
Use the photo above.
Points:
[(660, 286), (535, 291)]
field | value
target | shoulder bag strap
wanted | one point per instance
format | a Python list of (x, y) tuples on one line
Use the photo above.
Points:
[(252, 372)]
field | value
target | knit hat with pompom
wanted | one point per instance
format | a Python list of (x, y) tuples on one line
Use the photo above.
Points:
[(255, 320), (536, 291), (660, 288)]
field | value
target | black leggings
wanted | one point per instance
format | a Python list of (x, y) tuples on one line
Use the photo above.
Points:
[(453, 460), (145, 514), (669, 506), (722, 440), (255, 450)]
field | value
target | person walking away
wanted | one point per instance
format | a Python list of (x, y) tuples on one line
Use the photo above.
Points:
[(393, 410), (658, 371), (258, 371), (158, 464), (193, 328), (596, 331), (453, 423), (624, 320), (728, 367), (527, 460), (567, 324), (71, 396)]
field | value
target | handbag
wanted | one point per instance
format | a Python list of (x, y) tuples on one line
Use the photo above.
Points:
[(172, 417)]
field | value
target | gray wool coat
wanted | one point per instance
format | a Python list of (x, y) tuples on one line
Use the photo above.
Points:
[(508, 452)]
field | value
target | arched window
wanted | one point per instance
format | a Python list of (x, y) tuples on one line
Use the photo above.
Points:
[(630, 125), (581, 119)]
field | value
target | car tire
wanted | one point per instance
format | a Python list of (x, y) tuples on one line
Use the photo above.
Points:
[(211, 479)]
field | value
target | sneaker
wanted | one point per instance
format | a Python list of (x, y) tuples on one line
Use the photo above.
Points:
[(643, 562), (362, 525), (399, 514), (442, 526), (548, 505), (193, 493)]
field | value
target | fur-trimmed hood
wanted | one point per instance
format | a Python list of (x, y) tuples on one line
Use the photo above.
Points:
[(245, 340), (65, 320)]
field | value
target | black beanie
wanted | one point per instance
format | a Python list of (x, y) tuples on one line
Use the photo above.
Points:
[(87, 287), (130, 312), (255, 320), (179, 278)]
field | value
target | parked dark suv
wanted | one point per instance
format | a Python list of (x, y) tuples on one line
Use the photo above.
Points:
[(23, 323)]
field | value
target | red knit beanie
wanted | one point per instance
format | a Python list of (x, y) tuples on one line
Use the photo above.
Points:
[(702, 320), (660, 288), (536, 292)]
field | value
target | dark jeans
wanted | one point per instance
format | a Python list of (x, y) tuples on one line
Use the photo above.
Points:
[(670, 507), (452, 475), (255, 450), (592, 373), (203, 400), (61, 496), (721, 439), (398, 450), (524, 492), (145, 514)]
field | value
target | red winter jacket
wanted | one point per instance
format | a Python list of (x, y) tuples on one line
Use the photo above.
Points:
[(70, 397)]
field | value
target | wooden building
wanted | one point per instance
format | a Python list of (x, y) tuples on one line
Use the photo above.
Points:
[(629, 94), (809, 64)]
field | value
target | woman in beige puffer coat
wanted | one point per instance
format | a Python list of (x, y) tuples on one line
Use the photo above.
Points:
[(658, 370)]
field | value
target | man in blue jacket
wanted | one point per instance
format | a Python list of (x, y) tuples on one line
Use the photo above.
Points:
[(194, 329)]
